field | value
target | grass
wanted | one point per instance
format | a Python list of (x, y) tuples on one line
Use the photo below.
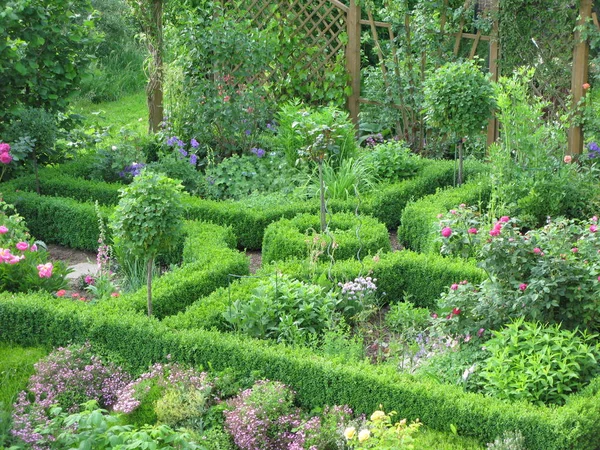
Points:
[(16, 366), (129, 113)]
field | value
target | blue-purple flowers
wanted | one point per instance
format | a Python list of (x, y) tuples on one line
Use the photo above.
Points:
[(258, 152), (133, 169), (193, 159), (593, 150), (194, 143)]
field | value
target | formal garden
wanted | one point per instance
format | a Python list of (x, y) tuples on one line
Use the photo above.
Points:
[(309, 224)]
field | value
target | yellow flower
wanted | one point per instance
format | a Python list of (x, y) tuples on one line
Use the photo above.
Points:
[(363, 435), (377, 415), (349, 432)]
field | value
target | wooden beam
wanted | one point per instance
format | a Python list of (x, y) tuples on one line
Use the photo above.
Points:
[(579, 76), (353, 59)]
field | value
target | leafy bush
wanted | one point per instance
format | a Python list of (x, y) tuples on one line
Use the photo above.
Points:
[(238, 176), (381, 433), (392, 161), (283, 309), (95, 427), (540, 364), (549, 274), (347, 237)]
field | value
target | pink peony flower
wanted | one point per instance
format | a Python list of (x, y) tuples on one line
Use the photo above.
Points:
[(480, 332), (472, 231), (504, 219), (45, 270), (494, 232), (114, 294), (537, 250), (574, 249), (456, 312), (454, 287), (567, 159), (452, 211), (14, 259), (61, 293), (3, 229), (593, 228), (22, 246), (446, 232), (523, 286), (5, 158), (33, 248), (4, 148)]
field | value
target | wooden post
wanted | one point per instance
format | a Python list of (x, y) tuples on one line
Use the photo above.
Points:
[(579, 76), (353, 59), (492, 132)]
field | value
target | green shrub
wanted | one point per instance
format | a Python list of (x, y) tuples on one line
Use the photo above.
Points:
[(392, 161), (540, 364), (417, 229), (355, 237)]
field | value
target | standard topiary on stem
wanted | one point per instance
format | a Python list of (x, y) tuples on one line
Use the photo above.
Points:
[(148, 219), (459, 100)]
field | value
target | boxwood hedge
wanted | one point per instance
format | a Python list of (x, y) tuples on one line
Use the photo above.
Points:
[(347, 236)]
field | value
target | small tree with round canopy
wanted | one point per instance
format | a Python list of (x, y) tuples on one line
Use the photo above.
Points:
[(148, 219), (459, 100)]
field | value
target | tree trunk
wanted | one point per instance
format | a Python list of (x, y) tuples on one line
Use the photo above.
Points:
[(154, 90), (322, 191), (460, 162), (149, 284)]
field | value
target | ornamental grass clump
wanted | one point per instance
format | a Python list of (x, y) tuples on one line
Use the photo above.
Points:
[(67, 377)]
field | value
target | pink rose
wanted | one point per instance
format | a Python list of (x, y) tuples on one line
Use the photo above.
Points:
[(574, 249), (456, 312), (494, 232), (446, 232), (45, 270), (3, 229), (22, 246), (61, 293), (504, 219), (114, 294), (4, 148), (480, 332), (593, 228), (567, 159), (5, 158), (452, 211), (33, 248), (472, 231), (454, 287), (523, 286), (537, 251)]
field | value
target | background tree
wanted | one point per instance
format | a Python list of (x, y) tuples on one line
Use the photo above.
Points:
[(43, 52), (150, 15), (148, 219)]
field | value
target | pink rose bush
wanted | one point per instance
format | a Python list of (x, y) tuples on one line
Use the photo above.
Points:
[(549, 274), (22, 266)]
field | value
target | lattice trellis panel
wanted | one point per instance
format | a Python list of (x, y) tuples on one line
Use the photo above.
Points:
[(318, 25)]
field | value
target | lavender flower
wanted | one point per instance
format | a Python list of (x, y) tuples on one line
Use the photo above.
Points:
[(258, 152), (193, 159), (194, 143), (183, 152), (594, 150)]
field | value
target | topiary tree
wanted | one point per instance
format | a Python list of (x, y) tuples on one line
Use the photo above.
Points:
[(459, 100), (148, 219)]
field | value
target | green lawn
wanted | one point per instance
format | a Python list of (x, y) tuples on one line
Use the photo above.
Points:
[(16, 366), (129, 113)]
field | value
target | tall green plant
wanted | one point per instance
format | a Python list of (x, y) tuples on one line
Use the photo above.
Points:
[(147, 218), (459, 100)]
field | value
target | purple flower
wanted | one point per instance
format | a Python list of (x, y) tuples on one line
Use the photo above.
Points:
[(594, 150), (193, 159), (194, 143), (258, 152), (248, 132), (172, 140), (183, 152)]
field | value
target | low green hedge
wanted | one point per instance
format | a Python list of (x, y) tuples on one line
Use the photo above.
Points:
[(39, 319), (388, 202), (57, 220), (418, 222), (362, 236), (55, 184)]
